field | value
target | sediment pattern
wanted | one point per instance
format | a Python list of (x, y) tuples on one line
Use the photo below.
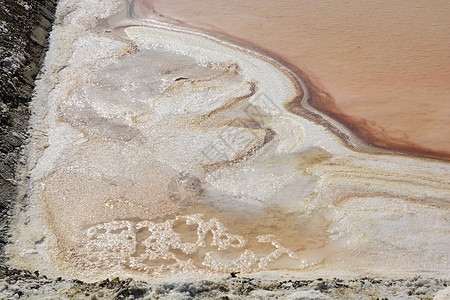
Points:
[(160, 150)]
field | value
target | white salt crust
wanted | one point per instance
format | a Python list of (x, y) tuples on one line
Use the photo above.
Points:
[(117, 161)]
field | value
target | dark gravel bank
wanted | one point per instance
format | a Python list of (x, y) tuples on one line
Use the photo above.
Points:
[(24, 27), (22, 284)]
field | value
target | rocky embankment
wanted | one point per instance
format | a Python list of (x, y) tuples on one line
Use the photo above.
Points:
[(24, 28), (22, 284)]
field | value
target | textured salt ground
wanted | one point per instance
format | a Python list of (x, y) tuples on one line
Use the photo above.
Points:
[(23, 284), (383, 260)]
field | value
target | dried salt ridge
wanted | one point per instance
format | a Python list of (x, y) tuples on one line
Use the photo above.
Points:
[(159, 151)]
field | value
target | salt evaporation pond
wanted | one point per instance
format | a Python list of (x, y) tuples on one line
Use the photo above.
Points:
[(159, 151), (385, 65)]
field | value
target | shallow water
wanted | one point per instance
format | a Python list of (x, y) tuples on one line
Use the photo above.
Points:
[(162, 151), (385, 64)]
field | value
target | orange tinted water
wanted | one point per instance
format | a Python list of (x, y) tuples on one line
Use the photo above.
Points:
[(386, 64)]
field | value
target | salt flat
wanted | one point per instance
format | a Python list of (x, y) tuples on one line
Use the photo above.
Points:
[(162, 151)]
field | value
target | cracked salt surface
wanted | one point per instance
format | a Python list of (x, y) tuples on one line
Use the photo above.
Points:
[(158, 151)]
